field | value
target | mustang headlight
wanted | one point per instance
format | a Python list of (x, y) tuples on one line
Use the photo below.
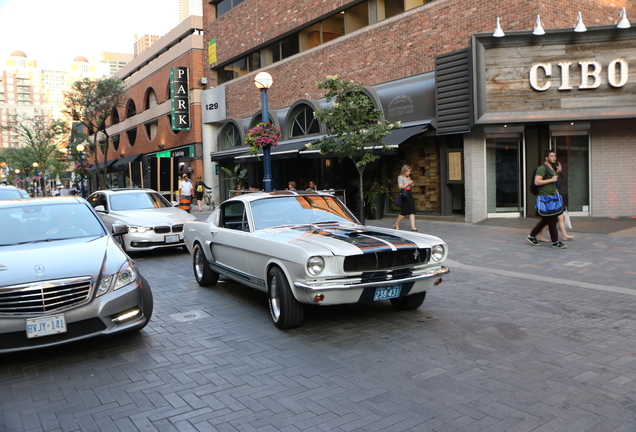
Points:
[(138, 229), (315, 265), (437, 253), (127, 274)]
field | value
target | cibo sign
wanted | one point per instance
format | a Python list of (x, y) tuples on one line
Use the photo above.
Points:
[(180, 94), (589, 75)]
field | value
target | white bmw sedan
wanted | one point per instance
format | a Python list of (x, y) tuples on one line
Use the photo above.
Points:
[(153, 222)]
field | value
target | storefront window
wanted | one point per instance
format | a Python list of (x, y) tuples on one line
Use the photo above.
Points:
[(572, 149), (503, 160)]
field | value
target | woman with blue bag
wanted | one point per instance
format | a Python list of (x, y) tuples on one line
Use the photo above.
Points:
[(549, 204)]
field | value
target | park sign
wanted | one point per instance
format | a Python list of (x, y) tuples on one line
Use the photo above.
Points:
[(179, 93)]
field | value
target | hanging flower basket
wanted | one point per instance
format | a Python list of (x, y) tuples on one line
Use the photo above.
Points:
[(82, 168), (262, 136)]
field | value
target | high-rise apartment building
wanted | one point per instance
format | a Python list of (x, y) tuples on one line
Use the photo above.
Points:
[(143, 42), (189, 7), (29, 91), (115, 61)]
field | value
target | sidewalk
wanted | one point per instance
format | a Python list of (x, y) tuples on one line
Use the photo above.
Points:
[(600, 257)]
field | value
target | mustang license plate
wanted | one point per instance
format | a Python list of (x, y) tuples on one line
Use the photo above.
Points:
[(172, 238), (388, 292), (45, 326)]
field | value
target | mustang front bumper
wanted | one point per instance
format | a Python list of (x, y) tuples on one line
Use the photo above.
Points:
[(329, 293)]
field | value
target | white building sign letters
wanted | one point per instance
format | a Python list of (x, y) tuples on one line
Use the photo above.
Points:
[(589, 74), (179, 91)]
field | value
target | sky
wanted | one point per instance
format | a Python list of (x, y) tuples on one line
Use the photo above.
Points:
[(45, 29)]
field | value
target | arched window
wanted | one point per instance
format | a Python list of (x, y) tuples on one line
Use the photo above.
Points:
[(150, 100), (114, 117), (151, 129), (132, 136), (230, 136), (302, 121), (131, 109)]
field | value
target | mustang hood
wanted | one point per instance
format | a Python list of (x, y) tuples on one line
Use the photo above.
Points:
[(43, 261), (347, 240)]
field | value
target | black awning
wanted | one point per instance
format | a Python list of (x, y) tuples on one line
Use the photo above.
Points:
[(283, 150), (101, 165), (230, 153), (122, 163), (398, 136)]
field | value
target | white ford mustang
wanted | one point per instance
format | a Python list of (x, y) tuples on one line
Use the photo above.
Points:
[(307, 248)]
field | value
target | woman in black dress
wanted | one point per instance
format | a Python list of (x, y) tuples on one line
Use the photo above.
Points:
[(408, 203)]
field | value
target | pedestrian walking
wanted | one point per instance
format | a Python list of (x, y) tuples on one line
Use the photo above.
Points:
[(199, 190), (405, 184), (561, 221), (546, 178)]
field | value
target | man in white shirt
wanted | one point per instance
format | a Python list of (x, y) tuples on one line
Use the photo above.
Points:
[(185, 192)]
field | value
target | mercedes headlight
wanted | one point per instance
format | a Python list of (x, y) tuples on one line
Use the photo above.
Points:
[(127, 274), (437, 253), (315, 265)]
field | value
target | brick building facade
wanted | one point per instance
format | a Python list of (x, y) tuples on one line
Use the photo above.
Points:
[(384, 42)]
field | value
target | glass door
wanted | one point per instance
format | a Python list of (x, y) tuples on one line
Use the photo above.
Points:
[(504, 183), (573, 151)]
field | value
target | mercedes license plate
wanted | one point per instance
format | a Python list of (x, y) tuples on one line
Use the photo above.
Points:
[(388, 292), (172, 238), (45, 326)]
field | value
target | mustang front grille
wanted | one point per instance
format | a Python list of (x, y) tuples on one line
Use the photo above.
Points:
[(45, 297), (388, 260)]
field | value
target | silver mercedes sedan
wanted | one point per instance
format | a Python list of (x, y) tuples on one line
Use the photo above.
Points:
[(307, 248), (63, 277)]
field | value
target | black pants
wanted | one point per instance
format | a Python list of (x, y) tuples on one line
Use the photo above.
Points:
[(551, 222)]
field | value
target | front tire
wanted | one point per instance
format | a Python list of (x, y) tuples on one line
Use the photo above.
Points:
[(147, 304), (409, 302), (286, 311), (202, 271)]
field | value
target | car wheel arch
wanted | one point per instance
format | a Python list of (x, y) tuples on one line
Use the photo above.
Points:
[(275, 263)]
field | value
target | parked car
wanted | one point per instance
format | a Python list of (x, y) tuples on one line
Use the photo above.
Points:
[(153, 222), (24, 193), (63, 277), (307, 248), (10, 192)]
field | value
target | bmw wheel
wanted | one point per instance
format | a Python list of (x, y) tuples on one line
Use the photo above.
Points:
[(286, 311)]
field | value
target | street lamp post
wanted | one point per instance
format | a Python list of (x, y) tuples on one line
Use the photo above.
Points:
[(17, 173), (36, 181), (80, 154), (263, 81)]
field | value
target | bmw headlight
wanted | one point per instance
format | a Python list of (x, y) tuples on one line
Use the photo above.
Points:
[(138, 229), (315, 265), (437, 253), (127, 274)]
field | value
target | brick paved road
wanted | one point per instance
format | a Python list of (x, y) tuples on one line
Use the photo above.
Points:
[(493, 350)]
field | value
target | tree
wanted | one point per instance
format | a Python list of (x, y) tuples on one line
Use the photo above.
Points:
[(43, 136), (355, 128), (91, 102)]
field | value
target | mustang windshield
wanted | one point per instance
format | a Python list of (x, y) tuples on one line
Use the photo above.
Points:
[(299, 210)]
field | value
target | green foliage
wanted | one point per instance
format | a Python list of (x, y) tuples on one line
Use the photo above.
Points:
[(91, 102), (41, 140), (236, 177), (355, 128)]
